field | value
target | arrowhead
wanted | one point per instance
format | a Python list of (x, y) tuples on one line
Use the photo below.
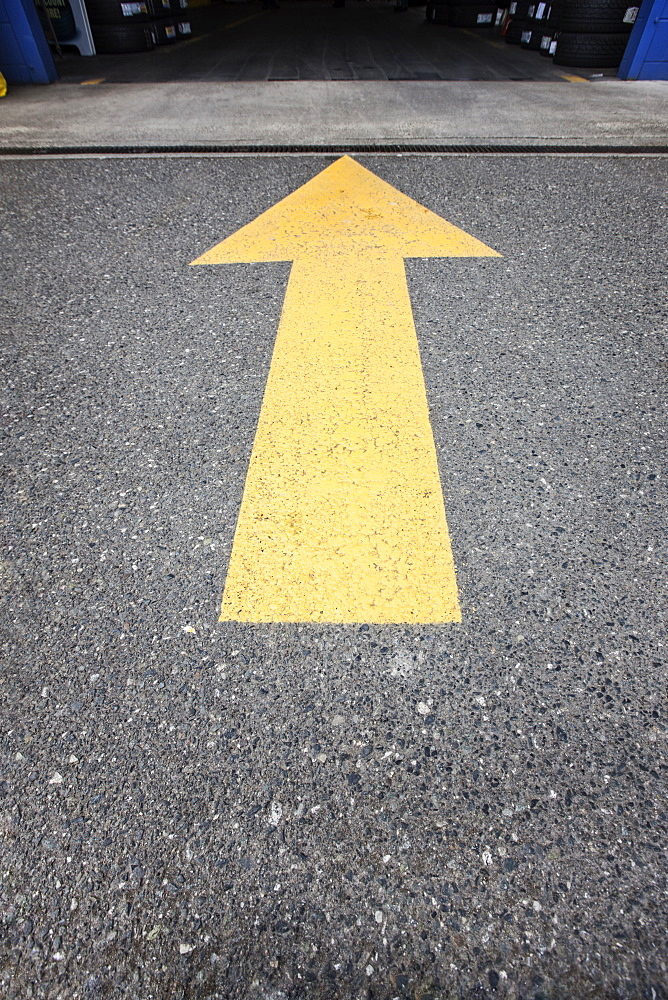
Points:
[(345, 209)]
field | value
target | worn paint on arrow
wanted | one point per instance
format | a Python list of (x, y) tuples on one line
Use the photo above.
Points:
[(342, 518)]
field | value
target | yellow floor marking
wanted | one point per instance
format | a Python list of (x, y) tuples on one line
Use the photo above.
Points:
[(490, 41), (251, 17), (191, 41), (223, 27), (91, 83), (342, 518), (168, 49), (572, 78)]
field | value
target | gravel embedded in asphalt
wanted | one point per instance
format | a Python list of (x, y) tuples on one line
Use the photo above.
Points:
[(216, 810)]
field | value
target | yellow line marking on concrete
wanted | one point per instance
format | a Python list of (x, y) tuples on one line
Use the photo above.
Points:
[(91, 83), (489, 41), (342, 518), (223, 27), (191, 41), (235, 24), (572, 78)]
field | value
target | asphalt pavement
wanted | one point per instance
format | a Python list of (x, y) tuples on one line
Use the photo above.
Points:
[(231, 811)]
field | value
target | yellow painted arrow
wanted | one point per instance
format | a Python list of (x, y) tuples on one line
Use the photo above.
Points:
[(342, 518)]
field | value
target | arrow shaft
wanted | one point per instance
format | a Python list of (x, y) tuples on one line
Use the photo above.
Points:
[(342, 517)]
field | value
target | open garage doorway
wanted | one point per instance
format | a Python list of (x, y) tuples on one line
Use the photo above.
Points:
[(319, 40)]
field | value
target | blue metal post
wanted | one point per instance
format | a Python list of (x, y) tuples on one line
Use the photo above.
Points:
[(646, 56), (25, 56)]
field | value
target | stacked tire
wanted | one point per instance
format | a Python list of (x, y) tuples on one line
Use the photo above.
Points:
[(462, 13), (516, 21), (594, 33), (591, 33), (534, 36), (136, 25), (550, 30)]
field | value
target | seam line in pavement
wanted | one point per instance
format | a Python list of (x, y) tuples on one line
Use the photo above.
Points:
[(337, 149)]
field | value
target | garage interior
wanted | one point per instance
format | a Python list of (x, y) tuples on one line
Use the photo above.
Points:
[(317, 40)]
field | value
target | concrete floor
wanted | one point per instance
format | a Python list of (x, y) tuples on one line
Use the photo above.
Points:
[(215, 90), (319, 113), (314, 41)]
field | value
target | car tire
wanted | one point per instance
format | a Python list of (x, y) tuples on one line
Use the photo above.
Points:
[(513, 34), (480, 15), (519, 9), (595, 51), (120, 38), (546, 39), (117, 12), (165, 31), (159, 9), (437, 13), (531, 36), (605, 17)]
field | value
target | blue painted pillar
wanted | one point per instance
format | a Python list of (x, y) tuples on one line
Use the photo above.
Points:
[(646, 56), (25, 56)]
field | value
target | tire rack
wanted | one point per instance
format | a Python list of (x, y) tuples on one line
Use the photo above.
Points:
[(136, 25), (591, 33)]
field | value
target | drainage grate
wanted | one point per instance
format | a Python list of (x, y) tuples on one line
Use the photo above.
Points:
[(338, 148)]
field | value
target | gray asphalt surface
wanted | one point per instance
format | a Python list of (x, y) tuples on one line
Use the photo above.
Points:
[(288, 812)]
